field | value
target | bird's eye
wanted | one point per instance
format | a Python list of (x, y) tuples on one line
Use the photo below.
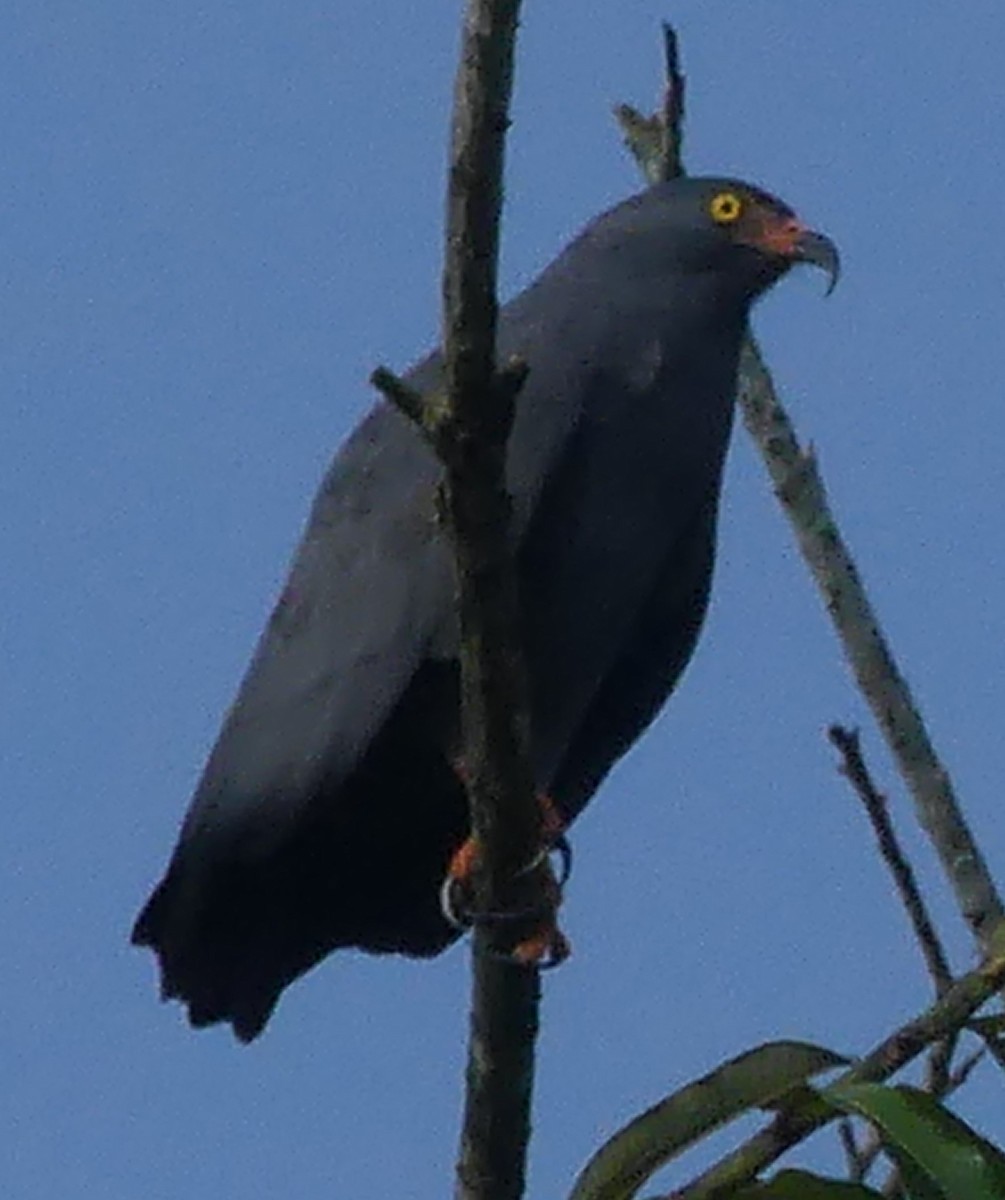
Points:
[(725, 208)]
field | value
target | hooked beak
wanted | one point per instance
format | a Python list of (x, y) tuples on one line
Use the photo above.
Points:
[(789, 238), (816, 248)]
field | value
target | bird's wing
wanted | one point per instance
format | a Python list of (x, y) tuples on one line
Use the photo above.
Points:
[(368, 584), (649, 663)]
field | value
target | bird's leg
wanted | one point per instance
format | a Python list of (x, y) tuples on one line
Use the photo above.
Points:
[(467, 857), (545, 945), (554, 842)]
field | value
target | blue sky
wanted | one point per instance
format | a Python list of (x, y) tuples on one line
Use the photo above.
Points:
[(215, 220)]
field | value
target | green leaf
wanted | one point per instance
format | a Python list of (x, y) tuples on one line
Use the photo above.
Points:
[(801, 1185), (941, 1157), (916, 1182), (758, 1078)]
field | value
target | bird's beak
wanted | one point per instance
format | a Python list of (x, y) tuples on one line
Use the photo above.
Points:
[(818, 249), (789, 238)]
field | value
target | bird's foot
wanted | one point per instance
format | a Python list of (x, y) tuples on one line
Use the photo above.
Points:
[(544, 945), (456, 906), (546, 948)]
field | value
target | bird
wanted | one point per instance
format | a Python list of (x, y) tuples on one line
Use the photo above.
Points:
[(333, 804)]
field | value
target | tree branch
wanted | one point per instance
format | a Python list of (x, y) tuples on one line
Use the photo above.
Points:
[(948, 1014), (469, 426), (481, 412), (800, 490), (857, 773), (656, 142)]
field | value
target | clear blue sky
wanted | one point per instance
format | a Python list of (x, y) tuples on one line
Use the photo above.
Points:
[(215, 220)]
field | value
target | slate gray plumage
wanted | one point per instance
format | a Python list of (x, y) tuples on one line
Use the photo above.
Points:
[(330, 808)]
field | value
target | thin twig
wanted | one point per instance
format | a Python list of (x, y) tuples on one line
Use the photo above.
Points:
[(401, 395), (672, 117), (964, 1070), (854, 769), (939, 1074), (939, 1071), (656, 142), (800, 490), (857, 1157), (948, 1013), (996, 1050), (990, 1033)]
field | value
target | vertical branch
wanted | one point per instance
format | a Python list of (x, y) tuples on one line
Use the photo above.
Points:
[(468, 425), (480, 411), (499, 1078), (504, 816)]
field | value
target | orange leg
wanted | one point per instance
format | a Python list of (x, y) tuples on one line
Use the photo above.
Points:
[(465, 858), (546, 946), (464, 861)]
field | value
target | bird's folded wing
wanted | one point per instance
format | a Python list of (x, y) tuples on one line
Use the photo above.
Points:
[(368, 585), (370, 592)]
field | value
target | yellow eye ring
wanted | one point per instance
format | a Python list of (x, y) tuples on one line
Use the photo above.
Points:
[(725, 208)]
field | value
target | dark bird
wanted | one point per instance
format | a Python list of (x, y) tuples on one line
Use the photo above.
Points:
[(332, 805)]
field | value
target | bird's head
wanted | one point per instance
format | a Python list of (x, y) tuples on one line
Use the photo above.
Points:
[(726, 228)]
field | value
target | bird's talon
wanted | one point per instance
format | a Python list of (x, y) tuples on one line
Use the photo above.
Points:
[(454, 915), (559, 846), (562, 847), (555, 842), (546, 949)]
